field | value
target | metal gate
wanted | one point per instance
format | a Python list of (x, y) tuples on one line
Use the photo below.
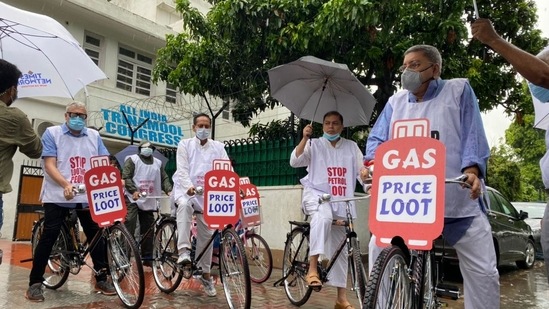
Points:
[(28, 201)]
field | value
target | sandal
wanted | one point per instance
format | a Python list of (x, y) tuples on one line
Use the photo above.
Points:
[(313, 281), (345, 305)]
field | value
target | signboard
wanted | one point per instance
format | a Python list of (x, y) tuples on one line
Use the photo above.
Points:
[(221, 198), (251, 212), (408, 187), (155, 126), (105, 195)]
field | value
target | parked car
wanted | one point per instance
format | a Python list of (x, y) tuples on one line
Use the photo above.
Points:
[(513, 239), (535, 212)]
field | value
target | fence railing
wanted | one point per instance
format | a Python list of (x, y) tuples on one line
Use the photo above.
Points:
[(265, 162)]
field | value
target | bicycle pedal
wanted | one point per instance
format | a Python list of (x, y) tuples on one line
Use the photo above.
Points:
[(447, 291)]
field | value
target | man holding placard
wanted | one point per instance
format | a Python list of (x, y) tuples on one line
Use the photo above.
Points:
[(451, 108), (195, 157)]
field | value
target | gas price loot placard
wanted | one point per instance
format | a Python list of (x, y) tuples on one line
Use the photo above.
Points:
[(408, 191), (251, 214), (221, 198), (105, 195)]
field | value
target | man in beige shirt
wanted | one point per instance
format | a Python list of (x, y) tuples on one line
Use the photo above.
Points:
[(15, 130)]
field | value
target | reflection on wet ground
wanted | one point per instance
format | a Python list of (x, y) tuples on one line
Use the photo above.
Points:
[(520, 289)]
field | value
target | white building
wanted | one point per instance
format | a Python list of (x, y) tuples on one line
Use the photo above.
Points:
[(122, 37)]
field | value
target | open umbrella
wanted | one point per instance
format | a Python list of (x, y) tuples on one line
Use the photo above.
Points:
[(133, 149), (310, 87), (52, 61)]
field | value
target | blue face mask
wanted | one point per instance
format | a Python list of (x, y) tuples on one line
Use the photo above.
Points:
[(330, 137), (539, 92), (76, 123)]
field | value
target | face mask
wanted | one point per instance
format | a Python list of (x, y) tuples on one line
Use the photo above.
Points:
[(539, 92), (331, 137), (202, 133), (76, 123), (411, 80), (12, 98), (146, 152)]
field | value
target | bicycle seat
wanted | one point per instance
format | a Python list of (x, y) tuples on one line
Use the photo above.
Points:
[(300, 223)]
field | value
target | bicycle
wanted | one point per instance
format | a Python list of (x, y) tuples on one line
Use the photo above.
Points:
[(258, 252), (69, 254), (403, 278), (233, 264), (295, 263), (160, 217)]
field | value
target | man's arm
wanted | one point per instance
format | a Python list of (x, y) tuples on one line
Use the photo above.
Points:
[(475, 150), (529, 66), (379, 133), (127, 176), (181, 179), (28, 141), (166, 184)]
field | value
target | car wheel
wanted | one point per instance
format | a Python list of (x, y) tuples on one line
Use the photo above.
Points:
[(529, 256)]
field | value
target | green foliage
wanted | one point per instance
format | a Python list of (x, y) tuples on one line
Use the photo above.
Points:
[(528, 146), (504, 172), (228, 52)]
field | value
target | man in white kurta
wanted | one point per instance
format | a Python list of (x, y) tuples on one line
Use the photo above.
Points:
[(333, 165), (195, 158)]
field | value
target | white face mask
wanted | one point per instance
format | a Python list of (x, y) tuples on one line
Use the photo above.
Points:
[(146, 152), (202, 133)]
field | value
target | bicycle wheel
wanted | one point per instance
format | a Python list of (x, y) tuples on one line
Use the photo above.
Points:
[(167, 274), (125, 266), (358, 272), (234, 271), (295, 265), (58, 269), (389, 284), (260, 258)]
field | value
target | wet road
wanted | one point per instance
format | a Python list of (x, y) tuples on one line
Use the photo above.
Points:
[(520, 289)]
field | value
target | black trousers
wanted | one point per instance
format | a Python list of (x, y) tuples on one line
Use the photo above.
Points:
[(54, 216)]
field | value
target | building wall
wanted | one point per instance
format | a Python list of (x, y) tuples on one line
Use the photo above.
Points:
[(139, 25)]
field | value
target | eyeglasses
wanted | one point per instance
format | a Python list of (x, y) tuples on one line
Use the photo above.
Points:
[(79, 115), (414, 66)]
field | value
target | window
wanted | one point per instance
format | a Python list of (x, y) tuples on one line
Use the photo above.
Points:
[(171, 93), (134, 71), (92, 47)]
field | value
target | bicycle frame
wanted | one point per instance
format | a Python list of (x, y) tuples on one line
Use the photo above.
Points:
[(299, 268)]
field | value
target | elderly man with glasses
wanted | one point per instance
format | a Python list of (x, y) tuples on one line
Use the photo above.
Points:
[(451, 107), (66, 158)]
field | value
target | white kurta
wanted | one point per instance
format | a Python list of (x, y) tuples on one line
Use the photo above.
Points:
[(332, 170), (193, 161)]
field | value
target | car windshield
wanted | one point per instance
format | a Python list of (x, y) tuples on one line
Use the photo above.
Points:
[(534, 210)]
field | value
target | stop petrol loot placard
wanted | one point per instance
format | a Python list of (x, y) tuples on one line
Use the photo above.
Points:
[(408, 191)]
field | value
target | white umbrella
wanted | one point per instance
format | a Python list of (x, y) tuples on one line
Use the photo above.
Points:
[(310, 87), (52, 61)]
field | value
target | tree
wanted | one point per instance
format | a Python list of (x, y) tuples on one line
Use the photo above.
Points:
[(228, 52), (528, 145), (504, 173)]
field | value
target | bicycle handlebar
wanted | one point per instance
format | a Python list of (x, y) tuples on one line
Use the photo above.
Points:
[(79, 189), (327, 198)]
